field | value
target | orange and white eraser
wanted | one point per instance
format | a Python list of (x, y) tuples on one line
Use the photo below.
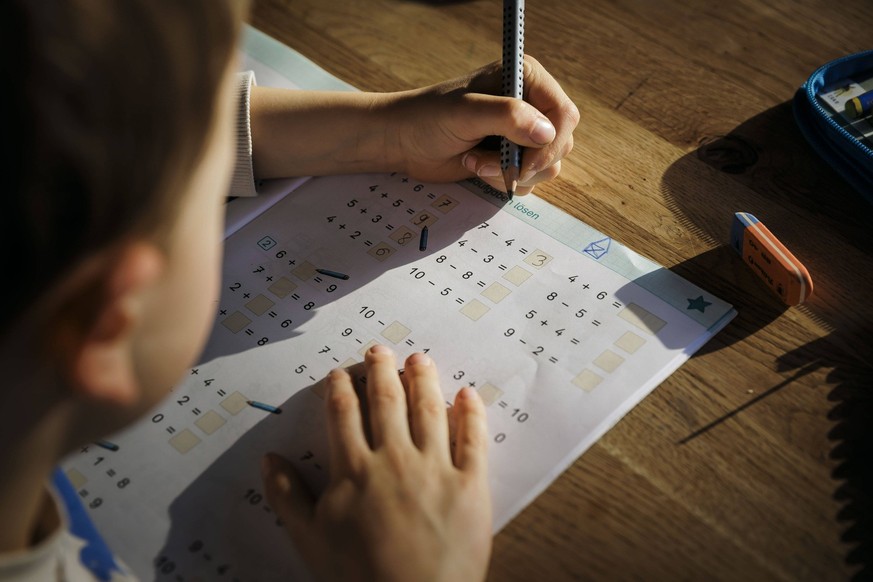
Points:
[(770, 260)]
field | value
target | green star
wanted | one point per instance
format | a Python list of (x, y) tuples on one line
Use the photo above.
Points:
[(699, 304)]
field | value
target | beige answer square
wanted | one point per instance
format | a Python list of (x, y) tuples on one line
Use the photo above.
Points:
[(184, 441), (282, 287), (496, 292), (210, 422), (490, 393), (396, 332), (608, 361), (304, 271), (586, 380), (236, 322), (642, 318), (517, 275), (538, 259), (234, 403), (76, 478), (260, 304), (474, 309), (630, 342)]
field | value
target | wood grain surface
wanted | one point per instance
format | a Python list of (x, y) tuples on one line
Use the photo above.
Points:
[(753, 461)]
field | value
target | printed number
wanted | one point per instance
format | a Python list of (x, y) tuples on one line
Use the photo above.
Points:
[(580, 313), (488, 259), (347, 332), (397, 203), (157, 418), (551, 296), (446, 291), (509, 332), (520, 416), (367, 312), (262, 341), (376, 218), (286, 323), (281, 254), (418, 187), (538, 351), (351, 203), (601, 295), (355, 234), (299, 369), (458, 375), (530, 314), (309, 305), (331, 288), (123, 483), (235, 286), (467, 275), (415, 272), (441, 259), (259, 269), (253, 496), (97, 502), (499, 437), (183, 400)]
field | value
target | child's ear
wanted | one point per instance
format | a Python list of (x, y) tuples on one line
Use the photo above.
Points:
[(101, 364)]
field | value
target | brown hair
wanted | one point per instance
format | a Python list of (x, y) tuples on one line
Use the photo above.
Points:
[(112, 101)]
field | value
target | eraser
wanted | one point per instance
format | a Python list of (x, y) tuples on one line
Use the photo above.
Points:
[(770, 260)]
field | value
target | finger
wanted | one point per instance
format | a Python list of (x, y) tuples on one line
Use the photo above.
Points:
[(471, 433), (519, 121), (542, 91), (345, 432), (479, 163), (386, 400), (428, 419), (288, 496)]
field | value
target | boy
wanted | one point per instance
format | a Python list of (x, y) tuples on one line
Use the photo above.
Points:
[(121, 145)]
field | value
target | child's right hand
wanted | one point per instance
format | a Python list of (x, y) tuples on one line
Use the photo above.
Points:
[(402, 504)]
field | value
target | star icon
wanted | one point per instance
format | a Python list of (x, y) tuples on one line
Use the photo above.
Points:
[(699, 304)]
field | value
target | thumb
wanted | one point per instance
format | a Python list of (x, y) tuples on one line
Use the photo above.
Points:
[(288, 495)]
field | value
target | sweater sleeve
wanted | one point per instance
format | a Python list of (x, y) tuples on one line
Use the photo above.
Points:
[(243, 182)]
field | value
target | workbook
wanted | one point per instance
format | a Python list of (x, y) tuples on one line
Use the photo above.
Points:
[(560, 328)]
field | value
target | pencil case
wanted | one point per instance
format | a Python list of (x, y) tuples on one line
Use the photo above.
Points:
[(825, 110)]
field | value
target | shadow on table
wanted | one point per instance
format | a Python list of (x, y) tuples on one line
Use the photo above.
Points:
[(759, 168)]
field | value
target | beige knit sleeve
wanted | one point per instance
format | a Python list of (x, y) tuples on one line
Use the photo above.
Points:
[(243, 182)]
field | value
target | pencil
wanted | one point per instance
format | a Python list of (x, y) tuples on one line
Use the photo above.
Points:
[(263, 406), (333, 274), (513, 85)]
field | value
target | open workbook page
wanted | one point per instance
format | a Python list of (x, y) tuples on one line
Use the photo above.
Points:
[(561, 330)]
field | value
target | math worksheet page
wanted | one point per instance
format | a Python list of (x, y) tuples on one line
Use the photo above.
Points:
[(559, 328)]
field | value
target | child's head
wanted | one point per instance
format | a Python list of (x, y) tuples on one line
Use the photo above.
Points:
[(119, 144)]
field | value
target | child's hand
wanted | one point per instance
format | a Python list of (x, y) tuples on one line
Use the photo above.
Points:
[(401, 504), (437, 130)]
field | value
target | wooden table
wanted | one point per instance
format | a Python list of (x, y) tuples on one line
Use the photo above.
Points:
[(686, 119)]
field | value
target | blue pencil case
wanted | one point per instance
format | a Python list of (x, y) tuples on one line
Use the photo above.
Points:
[(841, 135)]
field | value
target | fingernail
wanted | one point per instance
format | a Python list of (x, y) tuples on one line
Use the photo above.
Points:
[(469, 162), (419, 359), (380, 349), (543, 131), (489, 171), (527, 176)]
